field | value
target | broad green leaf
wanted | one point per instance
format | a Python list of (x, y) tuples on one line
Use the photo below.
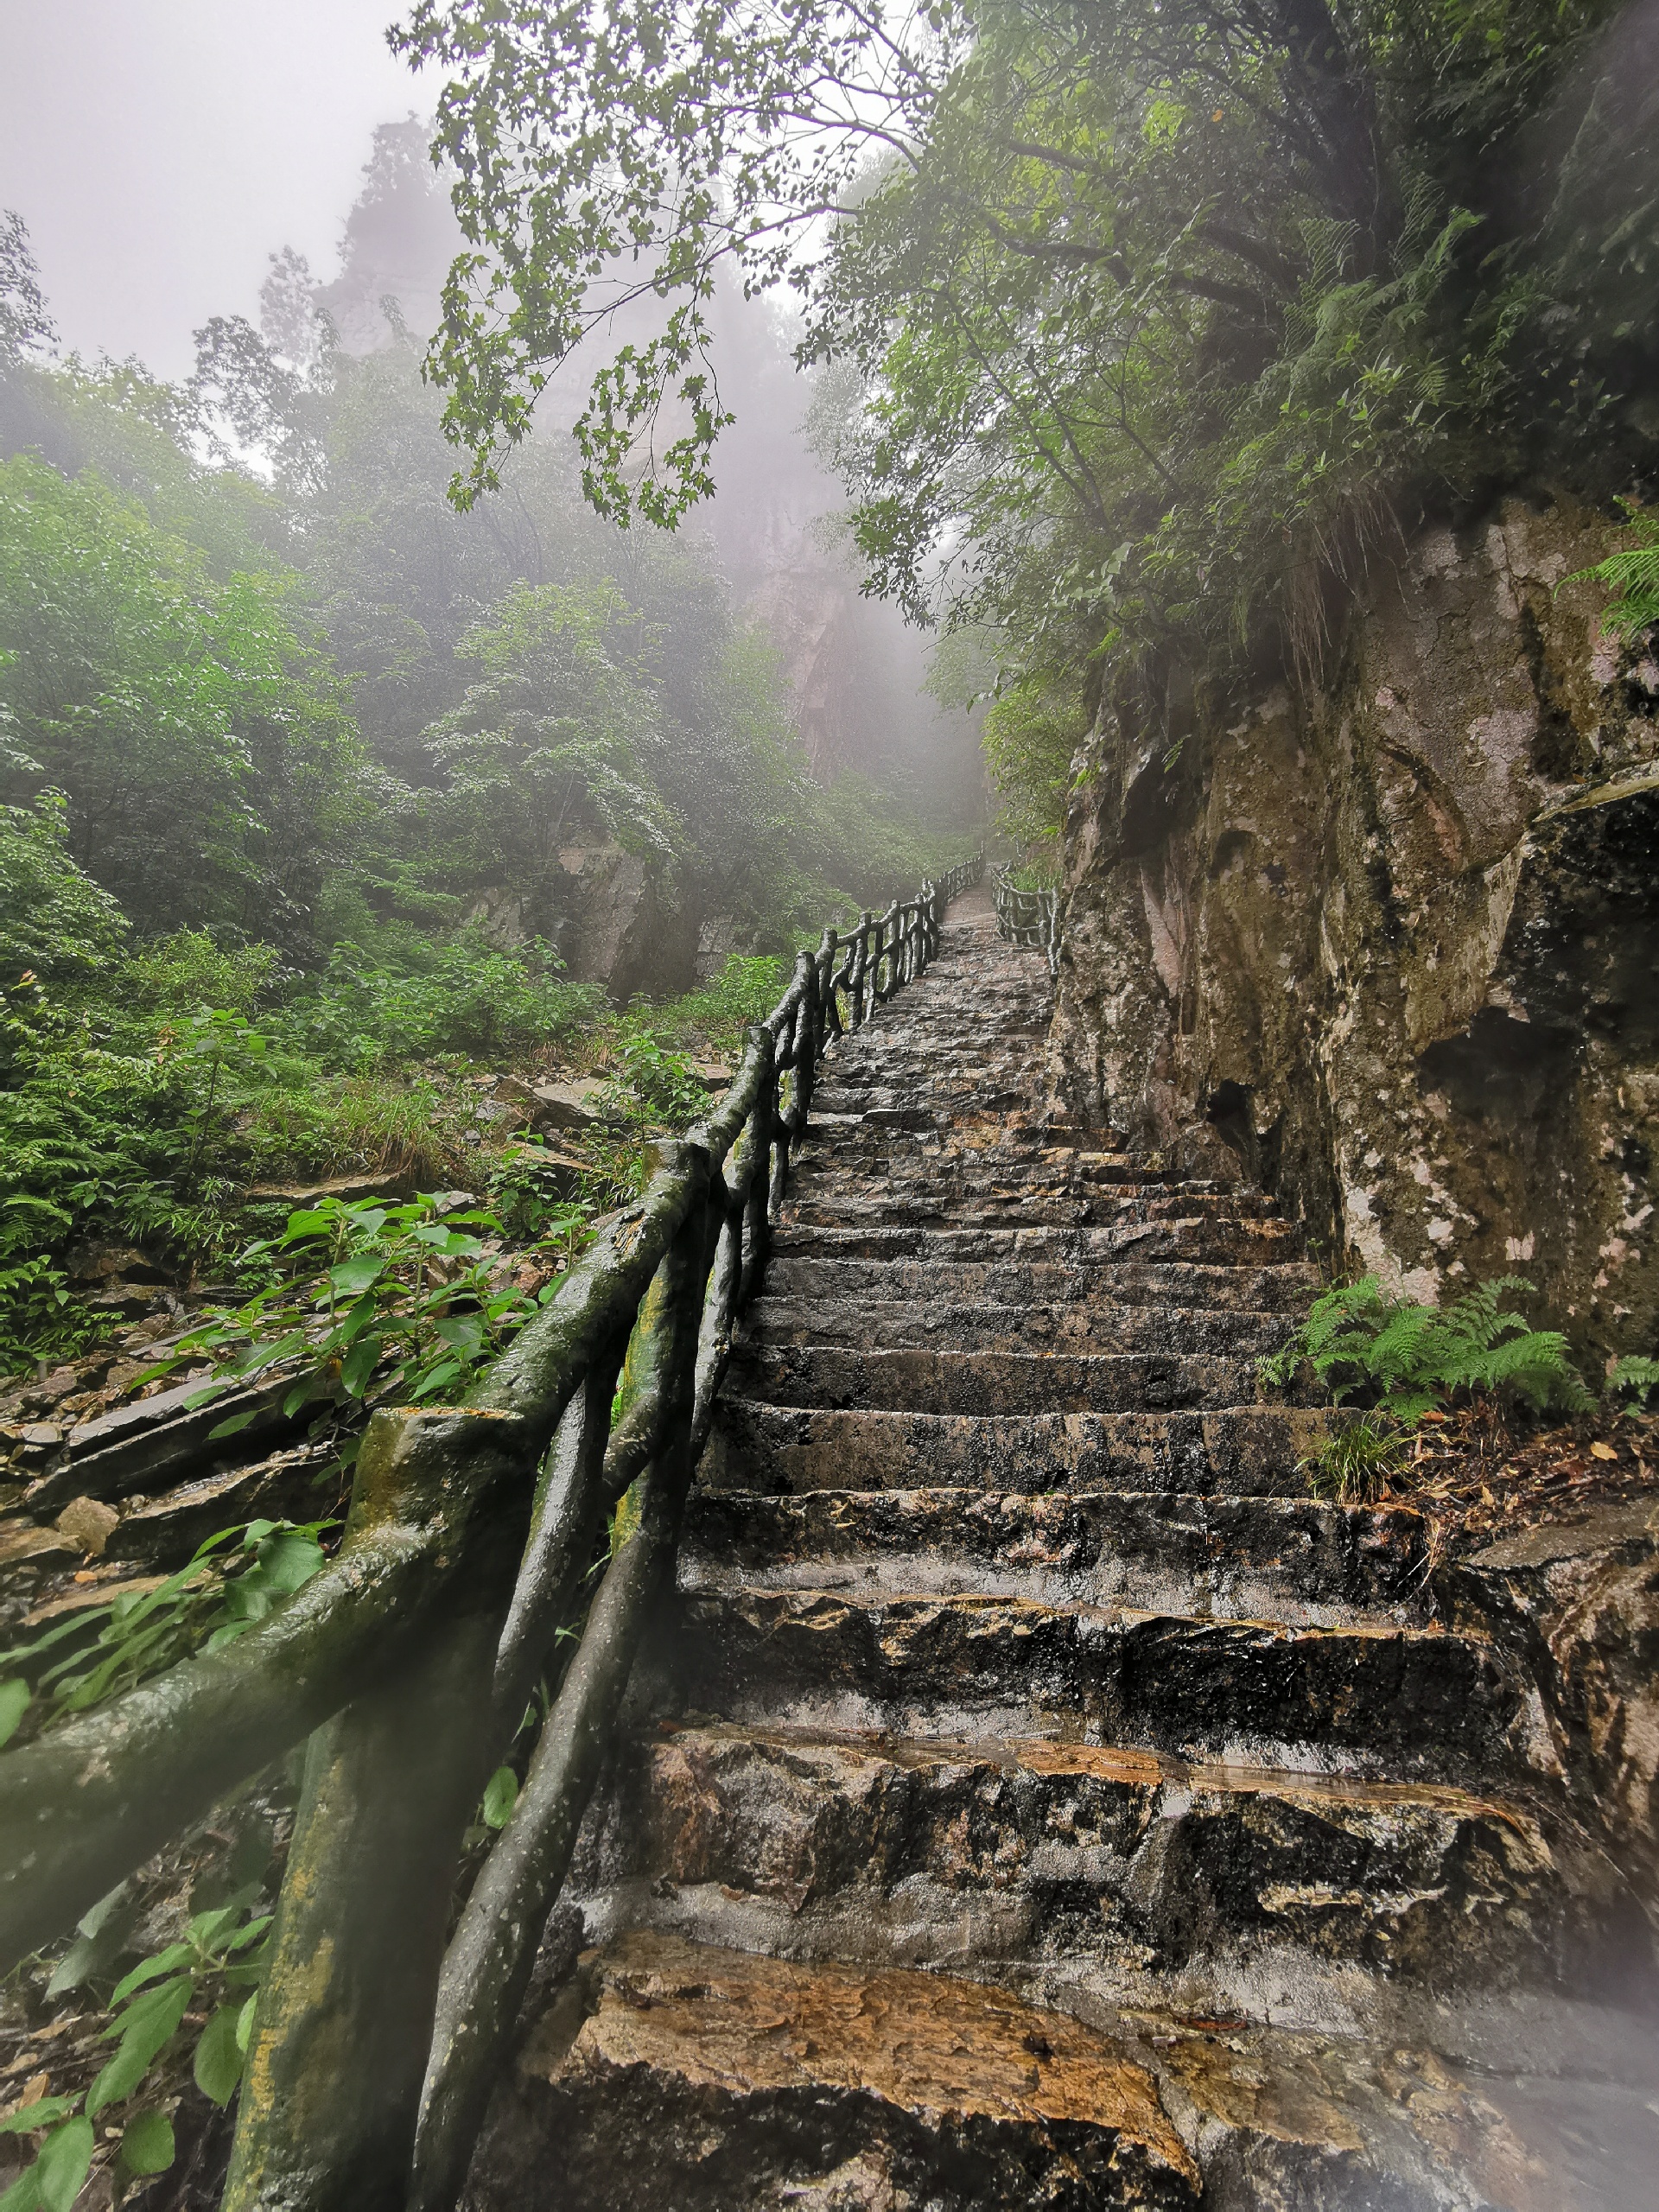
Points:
[(500, 1795), (352, 1277), (306, 1223), (147, 2144), (462, 1332), (288, 1562), (245, 2024), (14, 1704), (218, 2067), (148, 2027), (62, 2165), (161, 1962), (357, 1370), (233, 1427), (45, 2112), (24, 2195), (99, 1933)]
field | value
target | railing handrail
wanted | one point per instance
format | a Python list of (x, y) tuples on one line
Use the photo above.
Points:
[(1033, 919), (409, 1659)]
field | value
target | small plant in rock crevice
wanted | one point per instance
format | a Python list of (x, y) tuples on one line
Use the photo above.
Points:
[(1353, 1465)]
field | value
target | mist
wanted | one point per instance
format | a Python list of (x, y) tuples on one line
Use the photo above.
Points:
[(158, 150)]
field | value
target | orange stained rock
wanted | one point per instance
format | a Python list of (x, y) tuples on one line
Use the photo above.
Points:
[(741, 2022)]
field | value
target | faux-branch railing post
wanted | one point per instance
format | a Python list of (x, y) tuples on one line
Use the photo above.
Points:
[(408, 1660)]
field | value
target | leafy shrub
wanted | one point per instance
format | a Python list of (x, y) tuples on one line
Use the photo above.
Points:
[(336, 1124), (396, 1301), (1407, 1358), (718, 1012), (54, 921), (190, 971), (663, 1083), (474, 998), (216, 1967)]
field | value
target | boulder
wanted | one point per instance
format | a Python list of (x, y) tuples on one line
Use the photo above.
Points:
[(578, 1105)]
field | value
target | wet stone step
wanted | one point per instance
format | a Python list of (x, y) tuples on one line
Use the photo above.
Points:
[(1254, 1452), (1296, 1559), (895, 1324), (987, 1382), (905, 1849), (805, 1272), (942, 1204), (824, 1167), (933, 1100), (688, 2078), (1191, 1238), (1417, 1703)]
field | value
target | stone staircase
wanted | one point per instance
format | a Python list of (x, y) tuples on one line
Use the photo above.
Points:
[(1037, 1798)]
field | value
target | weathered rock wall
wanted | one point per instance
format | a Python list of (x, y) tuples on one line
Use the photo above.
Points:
[(1390, 943)]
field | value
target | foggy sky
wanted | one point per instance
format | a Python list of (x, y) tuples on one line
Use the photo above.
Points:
[(159, 149)]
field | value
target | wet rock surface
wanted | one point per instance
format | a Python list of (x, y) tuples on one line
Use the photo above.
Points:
[(1034, 1797), (1386, 943)]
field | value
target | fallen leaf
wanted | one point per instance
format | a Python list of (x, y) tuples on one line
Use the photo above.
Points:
[(1602, 1452)]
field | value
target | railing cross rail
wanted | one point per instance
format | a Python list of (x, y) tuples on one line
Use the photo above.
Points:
[(1031, 919)]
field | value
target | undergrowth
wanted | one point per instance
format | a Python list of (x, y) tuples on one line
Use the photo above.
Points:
[(1397, 1362)]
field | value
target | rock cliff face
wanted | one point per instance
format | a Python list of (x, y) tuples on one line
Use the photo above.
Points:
[(1391, 942)]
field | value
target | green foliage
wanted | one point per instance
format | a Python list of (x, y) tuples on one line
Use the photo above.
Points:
[(1165, 316), (500, 1795), (220, 1960), (55, 922), (663, 1083), (1633, 575), (395, 1302), (1407, 1358), (462, 995), (1354, 1463), (231, 1582), (192, 971), (1634, 1376), (205, 757), (1030, 734)]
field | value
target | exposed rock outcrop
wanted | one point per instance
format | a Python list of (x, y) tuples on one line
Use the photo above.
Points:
[(1389, 944)]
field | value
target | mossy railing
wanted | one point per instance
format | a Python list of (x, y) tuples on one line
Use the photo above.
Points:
[(1031, 919), (408, 1660)]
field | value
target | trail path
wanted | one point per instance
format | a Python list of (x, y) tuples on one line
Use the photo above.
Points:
[(1038, 1799)]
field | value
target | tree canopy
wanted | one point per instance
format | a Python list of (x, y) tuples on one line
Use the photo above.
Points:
[(1164, 314)]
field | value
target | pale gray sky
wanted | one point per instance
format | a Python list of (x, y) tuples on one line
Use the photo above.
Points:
[(159, 149)]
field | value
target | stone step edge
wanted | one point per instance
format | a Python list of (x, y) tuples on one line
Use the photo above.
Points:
[(1131, 1764)]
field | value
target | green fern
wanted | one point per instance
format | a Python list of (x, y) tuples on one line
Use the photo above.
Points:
[(1633, 1373), (1633, 574), (1410, 1358)]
